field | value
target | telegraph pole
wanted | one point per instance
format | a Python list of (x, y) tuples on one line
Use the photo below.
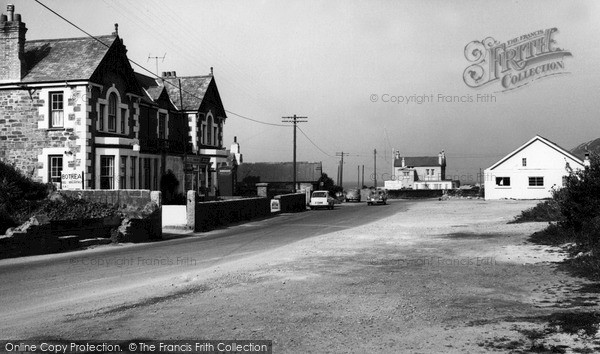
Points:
[(363, 177), (375, 166), (156, 59), (294, 120), (358, 177), (342, 154)]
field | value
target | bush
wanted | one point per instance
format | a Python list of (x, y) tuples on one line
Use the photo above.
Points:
[(579, 199), (548, 210), (578, 202), (16, 190), (14, 186)]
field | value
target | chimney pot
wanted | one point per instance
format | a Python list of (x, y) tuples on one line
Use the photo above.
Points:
[(211, 70), (3, 18), (10, 10), (17, 18)]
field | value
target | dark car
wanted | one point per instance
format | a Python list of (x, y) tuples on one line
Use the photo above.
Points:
[(377, 196), (353, 195)]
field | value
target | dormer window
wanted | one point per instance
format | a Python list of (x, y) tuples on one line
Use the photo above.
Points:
[(57, 111)]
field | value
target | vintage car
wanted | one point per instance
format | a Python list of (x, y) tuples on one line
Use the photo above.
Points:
[(353, 195), (321, 199), (377, 196)]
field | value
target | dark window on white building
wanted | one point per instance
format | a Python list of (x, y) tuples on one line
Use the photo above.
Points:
[(536, 181), (503, 181), (107, 172), (55, 166)]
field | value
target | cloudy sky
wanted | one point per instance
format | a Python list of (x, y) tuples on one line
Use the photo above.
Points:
[(338, 62)]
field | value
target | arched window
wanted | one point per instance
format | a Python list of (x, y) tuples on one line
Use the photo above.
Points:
[(209, 129), (112, 112)]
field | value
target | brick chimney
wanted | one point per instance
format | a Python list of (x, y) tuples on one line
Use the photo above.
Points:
[(12, 46)]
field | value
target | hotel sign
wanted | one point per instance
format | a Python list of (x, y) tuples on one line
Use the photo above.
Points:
[(72, 179)]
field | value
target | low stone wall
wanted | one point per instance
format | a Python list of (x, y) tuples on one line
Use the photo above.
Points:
[(415, 193), (39, 235), (431, 193), (205, 216), (35, 237), (136, 198), (293, 202), (132, 229)]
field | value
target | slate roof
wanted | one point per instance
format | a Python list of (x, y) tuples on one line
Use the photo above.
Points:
[(152, 87), (280, 171), (419, 161), (193, 90), (64, 59)]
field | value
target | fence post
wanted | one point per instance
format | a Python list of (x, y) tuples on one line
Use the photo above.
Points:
[(191, 210)]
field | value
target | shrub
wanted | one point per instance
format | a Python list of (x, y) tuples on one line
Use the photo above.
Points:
[(168, 186), (15, 186), (579, 199), (548, 210), (16, 190)]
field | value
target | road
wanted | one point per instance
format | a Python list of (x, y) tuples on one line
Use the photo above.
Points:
[(53, 286)]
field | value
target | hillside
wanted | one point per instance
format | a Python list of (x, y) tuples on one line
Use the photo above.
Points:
[(590, 146)]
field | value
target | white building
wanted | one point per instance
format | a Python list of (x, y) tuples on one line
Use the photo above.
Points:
[(422, 172), (531, 171)]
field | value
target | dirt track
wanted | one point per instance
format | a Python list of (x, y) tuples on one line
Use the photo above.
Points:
[(444, 276)]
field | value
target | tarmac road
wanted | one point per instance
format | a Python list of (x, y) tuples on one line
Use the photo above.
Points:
[(36, 288)]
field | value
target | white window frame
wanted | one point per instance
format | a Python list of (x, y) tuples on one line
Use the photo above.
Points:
[(111, 176), (120, 108), (51, 110)]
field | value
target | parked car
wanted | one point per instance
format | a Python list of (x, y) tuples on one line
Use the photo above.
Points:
[(321, 199), (353, 195), (377, 196)]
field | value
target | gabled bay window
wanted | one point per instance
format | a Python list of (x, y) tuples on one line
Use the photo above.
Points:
[(113, 115)]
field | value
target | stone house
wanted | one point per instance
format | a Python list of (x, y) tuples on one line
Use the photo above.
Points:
[(75, 107), (421, 172), (200, 102)]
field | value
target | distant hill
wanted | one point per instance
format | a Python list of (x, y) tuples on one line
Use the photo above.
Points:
[(590, 146)]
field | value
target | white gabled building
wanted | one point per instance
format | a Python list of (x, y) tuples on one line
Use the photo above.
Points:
[(531, 171)]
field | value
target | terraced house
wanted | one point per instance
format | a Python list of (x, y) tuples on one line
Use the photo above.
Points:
[(73, 108)]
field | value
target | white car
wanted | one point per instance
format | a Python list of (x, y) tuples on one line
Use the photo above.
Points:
[(321, 199)]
